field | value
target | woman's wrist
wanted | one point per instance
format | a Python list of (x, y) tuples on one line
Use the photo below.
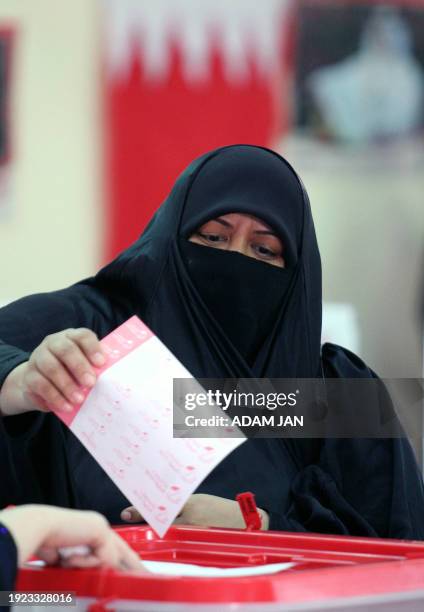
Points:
[(12, 399)]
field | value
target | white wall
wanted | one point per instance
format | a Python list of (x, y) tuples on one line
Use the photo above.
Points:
[(368, 209), (49, 239)]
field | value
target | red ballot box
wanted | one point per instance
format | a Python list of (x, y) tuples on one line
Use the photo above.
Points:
[(327, 573)]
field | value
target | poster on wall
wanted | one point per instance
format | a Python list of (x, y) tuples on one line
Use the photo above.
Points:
[(360, 78), (7, 38), (357, 142)]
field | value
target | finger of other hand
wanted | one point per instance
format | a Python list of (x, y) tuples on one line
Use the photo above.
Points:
[(131, 515)]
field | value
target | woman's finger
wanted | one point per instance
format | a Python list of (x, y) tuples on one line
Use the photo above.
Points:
[(129, 559), (68, 353), (89, 345), (48, 555), (37, 386), (131, 515), (112, 552), (81, 561), (52, 369), (35, 402)]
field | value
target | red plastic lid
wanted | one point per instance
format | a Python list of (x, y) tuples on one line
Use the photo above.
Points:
[(326, 567)]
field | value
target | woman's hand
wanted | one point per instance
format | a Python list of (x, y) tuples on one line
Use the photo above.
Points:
[(205, 511), (56, 373), (44, 530)]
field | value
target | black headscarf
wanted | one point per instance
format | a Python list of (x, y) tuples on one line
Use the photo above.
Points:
[(243, 179)]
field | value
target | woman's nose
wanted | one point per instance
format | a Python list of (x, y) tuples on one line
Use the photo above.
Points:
[(239, 244)]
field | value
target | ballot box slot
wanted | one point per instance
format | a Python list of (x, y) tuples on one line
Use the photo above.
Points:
[(214, 558)]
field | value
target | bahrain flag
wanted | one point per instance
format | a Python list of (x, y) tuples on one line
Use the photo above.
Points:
[(183, 77)]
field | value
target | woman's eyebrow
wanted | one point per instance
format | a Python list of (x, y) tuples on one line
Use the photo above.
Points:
[(228, 224), (267, 232), (222, 222)]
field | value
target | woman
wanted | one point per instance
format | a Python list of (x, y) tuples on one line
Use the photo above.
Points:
[(223, 314), (44, 531)]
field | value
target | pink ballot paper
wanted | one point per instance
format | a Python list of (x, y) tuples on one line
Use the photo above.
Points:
[(126, 423)]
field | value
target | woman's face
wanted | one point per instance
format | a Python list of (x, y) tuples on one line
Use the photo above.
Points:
[(244, 234)]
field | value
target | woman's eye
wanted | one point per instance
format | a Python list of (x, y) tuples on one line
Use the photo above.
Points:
[(212, 237), (264, 251)]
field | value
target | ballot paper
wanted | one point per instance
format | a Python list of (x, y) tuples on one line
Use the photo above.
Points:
[(126, 423), (167, 568)]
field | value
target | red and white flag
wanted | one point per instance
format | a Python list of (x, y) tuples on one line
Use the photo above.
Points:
[(183, 77)]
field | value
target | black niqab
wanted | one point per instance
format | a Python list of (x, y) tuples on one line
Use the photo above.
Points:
[(242, 295)]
